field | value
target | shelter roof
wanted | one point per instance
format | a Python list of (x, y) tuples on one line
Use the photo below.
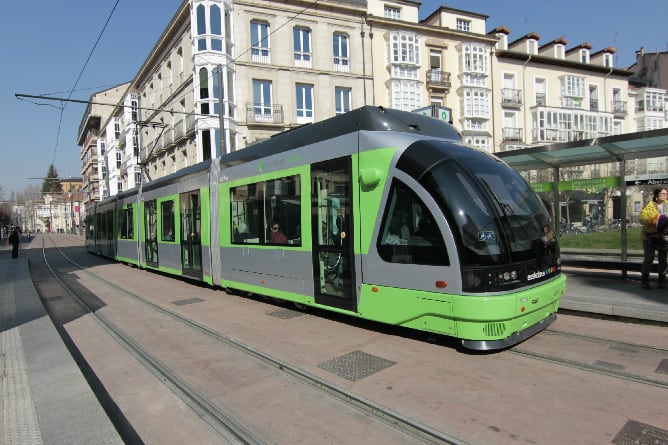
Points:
[(629, 146)]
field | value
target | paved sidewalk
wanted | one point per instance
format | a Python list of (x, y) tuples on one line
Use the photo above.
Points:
[(607, 293), (45, 397)]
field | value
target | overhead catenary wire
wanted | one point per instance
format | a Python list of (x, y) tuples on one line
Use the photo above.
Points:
[(22, 96), (76, 82)]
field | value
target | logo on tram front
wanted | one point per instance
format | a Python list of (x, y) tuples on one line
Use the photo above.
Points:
[(541, 273)]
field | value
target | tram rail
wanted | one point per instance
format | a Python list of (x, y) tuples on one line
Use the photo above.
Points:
[(216, 416)]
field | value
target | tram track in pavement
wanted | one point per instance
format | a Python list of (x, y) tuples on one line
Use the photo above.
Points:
[(613, 358), (217, 417), (221, 421)]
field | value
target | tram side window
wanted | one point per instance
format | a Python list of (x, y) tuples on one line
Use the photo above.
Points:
[(127, 231), (266, 212), (167, 216), (408, 232)]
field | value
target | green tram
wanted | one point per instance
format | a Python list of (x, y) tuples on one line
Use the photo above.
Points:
[(377, 213)]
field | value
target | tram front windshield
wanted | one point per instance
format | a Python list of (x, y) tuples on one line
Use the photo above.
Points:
[(495, 216)]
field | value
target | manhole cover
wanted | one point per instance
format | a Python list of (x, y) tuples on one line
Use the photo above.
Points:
[(285, 314), (355, 365), (636, 433)]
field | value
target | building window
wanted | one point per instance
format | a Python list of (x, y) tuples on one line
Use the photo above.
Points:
[(392, 12), (559, 51), (463, 25), (201, 28), (573, 86), (540, 90), (476, 103), (584, 55), (474, 59), (204, 91), (304, 103), (137, 174), (135, 143), (532, 46), (342, 99), (302, 47), (260, 42), (119, 160), (262, 99), (341, 57), (502, 44), (209, 37), (405, 48), (406, 95), (206, 145)]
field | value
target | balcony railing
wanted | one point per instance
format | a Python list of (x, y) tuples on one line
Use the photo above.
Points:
[(264, 113), (541, 99), (510, 96), (512, 134), (619, 108), (438, 79)]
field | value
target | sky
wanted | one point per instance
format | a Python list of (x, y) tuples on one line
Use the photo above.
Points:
[(74, 48)]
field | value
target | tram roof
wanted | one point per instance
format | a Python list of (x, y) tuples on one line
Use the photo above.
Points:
[(640, 145), (368, 117)]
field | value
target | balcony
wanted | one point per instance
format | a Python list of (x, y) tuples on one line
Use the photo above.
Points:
[(438, 79), (260, 55), (619, 108), (511, 134), (511, 97), (264, 113)]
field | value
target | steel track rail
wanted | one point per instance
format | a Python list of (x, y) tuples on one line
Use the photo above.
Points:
[(222, 422), (593, 368), (395, 420)]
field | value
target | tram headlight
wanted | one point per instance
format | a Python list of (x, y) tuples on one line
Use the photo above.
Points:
[(480, 280)]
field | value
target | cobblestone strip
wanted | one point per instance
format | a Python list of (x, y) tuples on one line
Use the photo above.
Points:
[(20, 425)]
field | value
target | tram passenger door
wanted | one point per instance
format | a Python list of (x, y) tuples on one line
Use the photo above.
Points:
[(332, 227), (191, 225), (151, 233)]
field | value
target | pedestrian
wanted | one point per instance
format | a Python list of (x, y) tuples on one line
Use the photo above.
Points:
[(15, 240), (654, 218)]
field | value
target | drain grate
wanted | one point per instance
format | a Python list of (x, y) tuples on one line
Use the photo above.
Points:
[(187, 301), (663, 367), (636, 433), (285, 314), (356, 365)]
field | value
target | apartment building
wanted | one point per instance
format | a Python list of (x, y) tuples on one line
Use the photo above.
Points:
[(100, 107), (443, 60), (225, 74)]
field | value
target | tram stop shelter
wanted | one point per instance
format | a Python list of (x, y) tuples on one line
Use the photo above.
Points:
[(603, 150)]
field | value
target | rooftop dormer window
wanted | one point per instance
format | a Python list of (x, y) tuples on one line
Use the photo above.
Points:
[(584, 56), (559, 51), (532, 46), (502, 44), (392, 12), (463, 25)]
